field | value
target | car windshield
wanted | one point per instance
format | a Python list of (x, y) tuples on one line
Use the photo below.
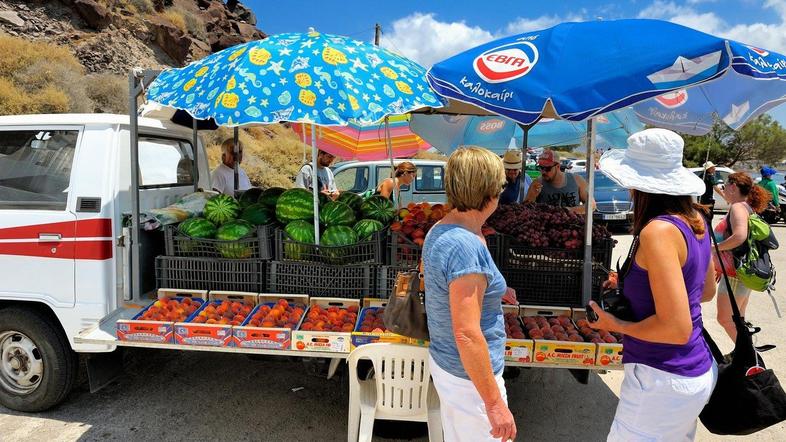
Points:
[(601, 180)]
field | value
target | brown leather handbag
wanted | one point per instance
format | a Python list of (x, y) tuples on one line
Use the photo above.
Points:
[(405, 313)]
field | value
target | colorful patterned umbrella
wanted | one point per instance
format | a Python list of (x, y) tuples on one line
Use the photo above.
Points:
[(354, 142), (309, 78)]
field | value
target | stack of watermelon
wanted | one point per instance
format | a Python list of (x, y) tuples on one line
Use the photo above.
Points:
[(228, 222), (344, 222)]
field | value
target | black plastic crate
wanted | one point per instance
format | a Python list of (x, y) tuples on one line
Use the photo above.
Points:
[(516, 255), (259, 246), (386, 279), (314, 279), (405, 253), (552, 287), (371, 251), (245, 275)]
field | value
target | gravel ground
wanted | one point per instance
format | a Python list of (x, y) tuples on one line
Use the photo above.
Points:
[(169, 395)]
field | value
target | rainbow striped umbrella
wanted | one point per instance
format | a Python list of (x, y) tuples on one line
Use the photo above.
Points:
[(367, 143)]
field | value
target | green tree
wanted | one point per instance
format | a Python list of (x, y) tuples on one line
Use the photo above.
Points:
[(762, 140)]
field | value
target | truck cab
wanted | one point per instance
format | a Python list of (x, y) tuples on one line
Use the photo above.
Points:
[(65, 187), (362, 176)]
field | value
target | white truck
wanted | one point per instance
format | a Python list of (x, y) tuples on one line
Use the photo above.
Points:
[(65, 183)]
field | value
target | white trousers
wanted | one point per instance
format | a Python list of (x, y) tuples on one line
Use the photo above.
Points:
[(659, 406), (461, 407)]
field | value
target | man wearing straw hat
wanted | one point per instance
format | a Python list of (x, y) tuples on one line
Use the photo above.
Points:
[(712, 183), (517, 183)]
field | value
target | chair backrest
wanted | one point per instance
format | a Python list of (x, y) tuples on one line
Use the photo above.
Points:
[(402, 376)]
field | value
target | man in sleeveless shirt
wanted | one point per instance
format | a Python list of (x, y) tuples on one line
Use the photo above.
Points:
[(557, 188)]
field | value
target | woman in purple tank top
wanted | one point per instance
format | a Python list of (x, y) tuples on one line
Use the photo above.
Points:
[(669, 370)]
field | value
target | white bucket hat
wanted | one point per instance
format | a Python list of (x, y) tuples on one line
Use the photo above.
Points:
[(652, 163)]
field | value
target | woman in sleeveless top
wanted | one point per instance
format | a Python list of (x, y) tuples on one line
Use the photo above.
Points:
[(404, 174), (745, 198), (669, 370)]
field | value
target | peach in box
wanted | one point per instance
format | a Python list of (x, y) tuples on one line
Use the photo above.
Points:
[(155, 323), (328, 325), (371, 327), (556, 339), (271, 323), (211, 325), (609, 344), (517, 347)]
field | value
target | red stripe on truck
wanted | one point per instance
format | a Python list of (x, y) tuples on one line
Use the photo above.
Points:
[(93, 250), (85, 228)]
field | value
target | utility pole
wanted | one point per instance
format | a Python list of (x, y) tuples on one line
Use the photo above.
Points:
[(377, 33)]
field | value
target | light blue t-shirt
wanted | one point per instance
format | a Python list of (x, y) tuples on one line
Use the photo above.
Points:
[(451, 251)]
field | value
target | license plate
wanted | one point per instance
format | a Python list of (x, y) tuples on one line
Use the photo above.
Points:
[(615, 216)]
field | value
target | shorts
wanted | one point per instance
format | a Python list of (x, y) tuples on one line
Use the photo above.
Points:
[(737, 287), (461, 407), (659, 406)]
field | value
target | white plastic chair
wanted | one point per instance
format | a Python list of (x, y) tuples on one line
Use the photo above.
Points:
[(401, 390)]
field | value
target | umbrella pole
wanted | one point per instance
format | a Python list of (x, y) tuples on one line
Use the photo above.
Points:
[(235, 162), (586, 286), (389, 148), (315, 181), (195, 153)]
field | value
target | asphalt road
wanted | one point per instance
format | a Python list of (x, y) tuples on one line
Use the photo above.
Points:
[(167, 395)]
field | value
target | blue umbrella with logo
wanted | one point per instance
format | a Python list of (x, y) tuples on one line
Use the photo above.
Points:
[(576, 71), (448, 132), (309, 78)]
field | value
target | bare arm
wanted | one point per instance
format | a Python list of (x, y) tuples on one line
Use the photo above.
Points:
[(386, 188), (533, 191), (709, 282), (582, 184), (660, 247), (466, 299), (739, 227)]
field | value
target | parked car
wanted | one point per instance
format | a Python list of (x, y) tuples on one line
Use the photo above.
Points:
[(578, 166), (720, 204), (614, 206), (360, 176)]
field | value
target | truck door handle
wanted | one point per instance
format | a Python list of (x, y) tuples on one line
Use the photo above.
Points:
[(49, 237)]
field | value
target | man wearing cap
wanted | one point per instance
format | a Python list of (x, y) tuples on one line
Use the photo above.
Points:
[(326, 182), (517, 183), (557, 188), (769, 185), (712, 183)]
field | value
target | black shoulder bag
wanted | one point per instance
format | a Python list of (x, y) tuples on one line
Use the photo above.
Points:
[(748, 396)]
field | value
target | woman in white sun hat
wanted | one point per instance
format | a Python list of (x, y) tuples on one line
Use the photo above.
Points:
[(669, 370)]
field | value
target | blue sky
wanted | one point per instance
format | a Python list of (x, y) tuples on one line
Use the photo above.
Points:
[(430, 30)]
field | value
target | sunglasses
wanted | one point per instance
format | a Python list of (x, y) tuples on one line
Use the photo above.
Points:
[(546, 168)]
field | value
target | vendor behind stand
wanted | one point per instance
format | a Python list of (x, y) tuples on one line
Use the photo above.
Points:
[(326, 183), (557, 188), (223, 176), (516, 183)]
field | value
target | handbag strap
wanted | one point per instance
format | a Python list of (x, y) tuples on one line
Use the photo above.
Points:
[(736, 316), (422, 280)]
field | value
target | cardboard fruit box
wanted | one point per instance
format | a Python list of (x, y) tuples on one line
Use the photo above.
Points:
[(359, 337), (558, 352), (516, 349), (158, 331), (205, 332), (308, 337), (270, 338), (609, 353)]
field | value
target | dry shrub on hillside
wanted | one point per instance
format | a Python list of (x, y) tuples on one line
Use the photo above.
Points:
[(43, 75), (176, 18), (108, 92), (194, 25), (427, 155), (272, 154), (141, 6)]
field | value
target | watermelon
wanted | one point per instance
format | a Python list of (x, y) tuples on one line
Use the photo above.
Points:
[(323, 199), (233, 231), (270, 196), (258, 215), (367, 227), (353, 200), (249, 197), (221, 209), (295, 204), (337, 236), (197, 228), (378, 208), (336, 213), (300, 231)]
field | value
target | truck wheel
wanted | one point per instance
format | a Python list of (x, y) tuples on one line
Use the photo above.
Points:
[(37, 366)]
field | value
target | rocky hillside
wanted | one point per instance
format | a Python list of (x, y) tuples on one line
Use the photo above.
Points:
[(115, 35)]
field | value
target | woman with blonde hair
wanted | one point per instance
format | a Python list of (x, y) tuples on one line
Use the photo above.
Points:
[(744, 198), (464, 291), (390, 187)]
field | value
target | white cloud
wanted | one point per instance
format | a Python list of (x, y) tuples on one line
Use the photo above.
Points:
[(427, 40)]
